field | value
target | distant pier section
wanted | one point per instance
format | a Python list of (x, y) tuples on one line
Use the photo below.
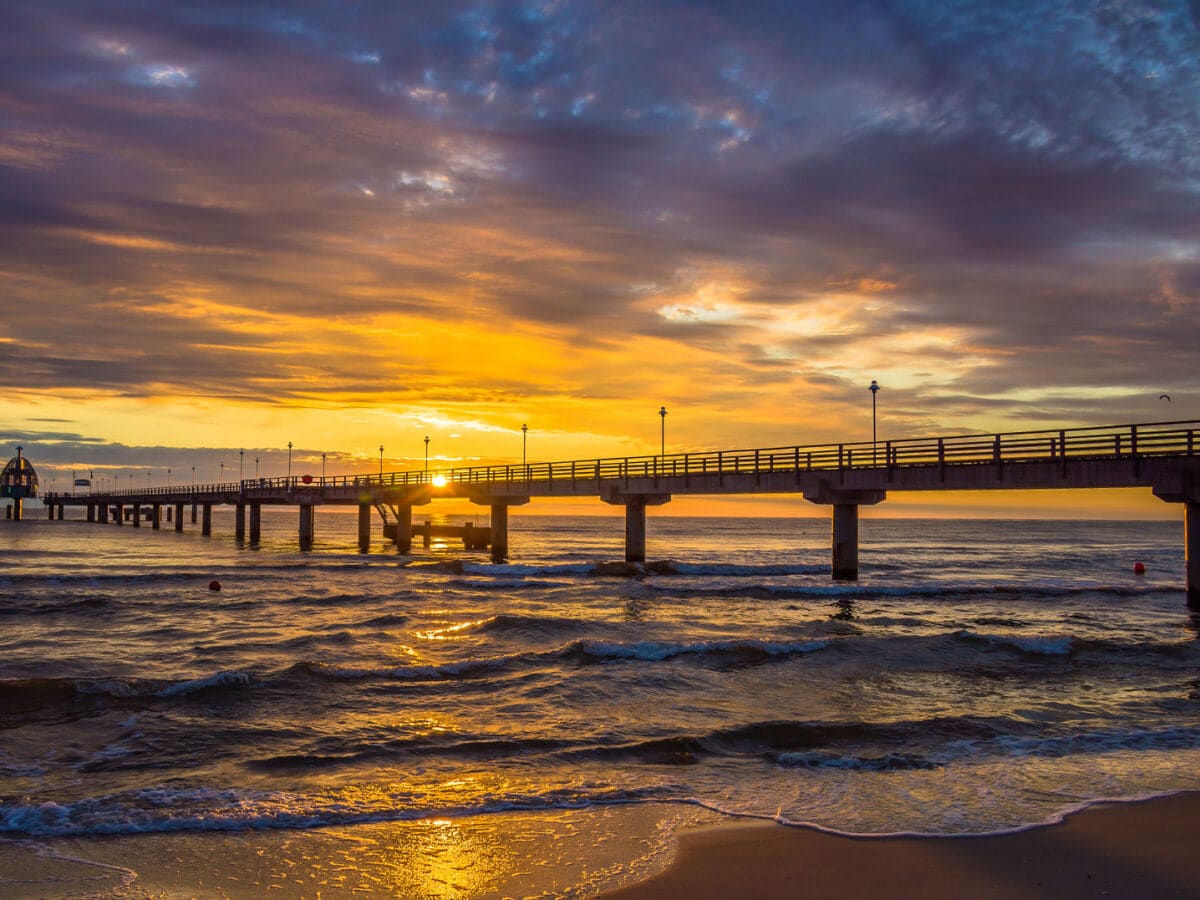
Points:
[(1162, 456)]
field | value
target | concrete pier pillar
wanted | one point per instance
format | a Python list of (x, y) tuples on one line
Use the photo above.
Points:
[(102, 514), (364, 527), (635, 532), (845, 503), (845, 542), (1191, 543), (137, 515), (193, 512), (635, 518), (50, 511), (179, 517), (119, 514), (255, 522), (91, 512), (403, 529), (306, 526), (17, 508), (169, 510), (156, 516), (206, 520), (499, 532), (239, 521)]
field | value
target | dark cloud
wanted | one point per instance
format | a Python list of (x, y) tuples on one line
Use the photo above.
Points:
[(1023, 173)]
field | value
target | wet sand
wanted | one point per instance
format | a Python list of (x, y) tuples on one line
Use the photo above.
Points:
[(1129, 850), (1133, 850)]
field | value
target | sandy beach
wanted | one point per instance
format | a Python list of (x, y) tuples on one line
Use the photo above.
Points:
[(1128, 850)]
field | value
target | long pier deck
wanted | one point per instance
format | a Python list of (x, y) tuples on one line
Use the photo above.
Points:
[(1162, 456)]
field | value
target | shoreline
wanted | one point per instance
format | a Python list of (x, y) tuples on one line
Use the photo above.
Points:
[(1133, 850)]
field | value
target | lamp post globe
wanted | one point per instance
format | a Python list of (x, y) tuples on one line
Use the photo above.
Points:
[(662, 444)]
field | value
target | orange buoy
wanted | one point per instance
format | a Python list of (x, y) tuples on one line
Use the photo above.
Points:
[(1139, 568), (216, 585)]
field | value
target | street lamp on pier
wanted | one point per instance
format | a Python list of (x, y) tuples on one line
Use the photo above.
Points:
[(168, 477), (147, 481), (193, 476), (256, 468), (662, 440), (289, 459), (222, 479), (322, 466), (426, 454), (242, 464), (381, 463), (874, 389), (524, 432)]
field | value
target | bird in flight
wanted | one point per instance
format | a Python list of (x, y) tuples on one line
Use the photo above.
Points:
[(1166, 397)]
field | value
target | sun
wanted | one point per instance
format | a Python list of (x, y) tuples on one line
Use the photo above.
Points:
[(439, 480)]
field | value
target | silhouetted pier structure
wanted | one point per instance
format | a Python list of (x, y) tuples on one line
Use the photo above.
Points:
[(1162, 456)]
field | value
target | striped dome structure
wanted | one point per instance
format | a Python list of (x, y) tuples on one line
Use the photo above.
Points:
[(19, 479)]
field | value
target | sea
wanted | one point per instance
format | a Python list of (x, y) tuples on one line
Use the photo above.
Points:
[(980, 677)]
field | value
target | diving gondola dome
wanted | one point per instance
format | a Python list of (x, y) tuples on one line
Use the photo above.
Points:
[(19, 479)]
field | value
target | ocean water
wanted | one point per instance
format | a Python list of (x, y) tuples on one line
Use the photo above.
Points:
[(982, 676)]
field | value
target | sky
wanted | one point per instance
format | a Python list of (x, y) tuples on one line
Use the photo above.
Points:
[(227, 226)]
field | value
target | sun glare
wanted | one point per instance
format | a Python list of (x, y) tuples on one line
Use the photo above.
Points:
[(439, 480)]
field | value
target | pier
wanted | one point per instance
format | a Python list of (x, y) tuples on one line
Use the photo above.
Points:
[(1162, 456)]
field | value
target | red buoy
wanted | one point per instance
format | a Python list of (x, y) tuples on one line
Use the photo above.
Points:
[(1139, 568), (216, 585)]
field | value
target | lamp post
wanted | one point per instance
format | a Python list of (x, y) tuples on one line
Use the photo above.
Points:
[(168, 477), (242, 464), (426, 454), (381, 463), (662, 444), (524, 432), (131, 481), (322, 466), (193, 476), (289, 460), (874, 389), (222, 479), (147, 481), (256, 468)]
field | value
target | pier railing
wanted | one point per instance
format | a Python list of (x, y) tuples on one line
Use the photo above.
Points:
[(1133, 442)]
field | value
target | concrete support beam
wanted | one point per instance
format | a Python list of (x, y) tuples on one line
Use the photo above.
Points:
[(156, 516), (635, 532), (50, 511), (845, 542), (403, 528), (255, 522), (17, 508), (635, 518), (193, 512), (845, 503), (239, 521), (119, 514), (169, 509), (499, 532), (102, 514), (91, 512), (137, 515), (1191, 542), (179, 517), (364, 527), (206, 520), (306, 525)]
